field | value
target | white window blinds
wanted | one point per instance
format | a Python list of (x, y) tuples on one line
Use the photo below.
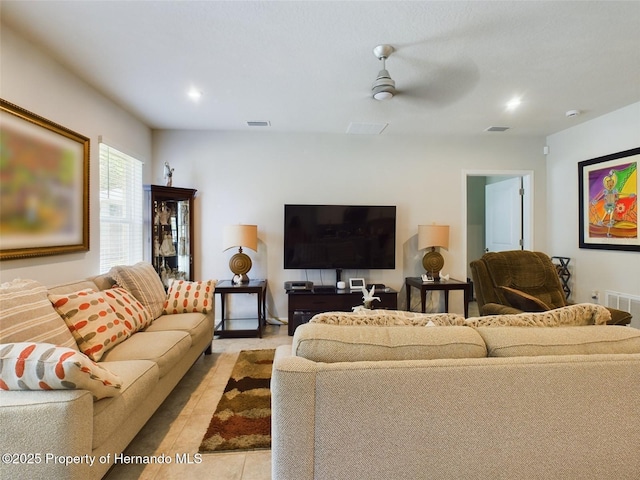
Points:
[(121, 203)]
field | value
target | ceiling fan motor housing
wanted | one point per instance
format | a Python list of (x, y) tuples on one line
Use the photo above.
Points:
[(384, 87)]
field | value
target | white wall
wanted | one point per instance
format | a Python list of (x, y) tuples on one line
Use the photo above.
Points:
[(248, 177), (591, 269), (36, 83)]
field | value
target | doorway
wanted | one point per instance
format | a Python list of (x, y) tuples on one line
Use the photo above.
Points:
[(508, 215)]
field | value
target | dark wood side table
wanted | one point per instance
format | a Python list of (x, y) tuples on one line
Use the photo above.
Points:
[(234, 327), (444, 285)]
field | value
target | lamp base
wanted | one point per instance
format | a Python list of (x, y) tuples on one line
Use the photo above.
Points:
[(240, 279), (433, 263), (239, 265)]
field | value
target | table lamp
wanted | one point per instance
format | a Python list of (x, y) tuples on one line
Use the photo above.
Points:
[(240, 236), (432, 236)]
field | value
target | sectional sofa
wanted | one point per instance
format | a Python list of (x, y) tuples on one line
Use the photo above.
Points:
[(381, 395), (66, 416)]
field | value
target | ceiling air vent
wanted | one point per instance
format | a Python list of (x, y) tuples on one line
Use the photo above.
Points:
[(259, 124), (497, 129)]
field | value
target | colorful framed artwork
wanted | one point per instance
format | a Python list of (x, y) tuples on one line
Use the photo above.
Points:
[(608, 201), (44, 173)]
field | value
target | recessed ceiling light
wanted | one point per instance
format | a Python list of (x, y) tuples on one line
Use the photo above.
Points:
[(194, 94), (514, 103)]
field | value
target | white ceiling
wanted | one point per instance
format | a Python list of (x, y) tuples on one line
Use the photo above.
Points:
[(308, 66)]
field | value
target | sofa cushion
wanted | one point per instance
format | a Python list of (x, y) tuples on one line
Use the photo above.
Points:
[(329, 343), (128, 309), (195, 324), (383, 317), (139, 378), (26, 315), (572, 315), (163, 348), (523, 301), (189, 297), (43, 366), (92, 321), (144, 283), (582, 340)]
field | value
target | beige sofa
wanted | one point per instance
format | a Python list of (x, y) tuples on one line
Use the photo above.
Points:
[(66, 434), (393, 401)]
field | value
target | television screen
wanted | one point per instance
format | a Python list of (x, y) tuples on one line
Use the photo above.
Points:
[(339, 236)]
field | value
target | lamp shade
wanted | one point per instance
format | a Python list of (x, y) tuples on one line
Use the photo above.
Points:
[(240, 236), (433, 236)]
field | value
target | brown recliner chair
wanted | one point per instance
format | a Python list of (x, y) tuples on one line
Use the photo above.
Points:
[(519, 281)]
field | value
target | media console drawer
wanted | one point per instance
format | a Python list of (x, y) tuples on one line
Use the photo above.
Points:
[(303, 305)]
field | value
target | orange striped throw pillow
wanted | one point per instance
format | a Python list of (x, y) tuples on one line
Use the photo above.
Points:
[(189, 297), (92, 321), (43, 366)]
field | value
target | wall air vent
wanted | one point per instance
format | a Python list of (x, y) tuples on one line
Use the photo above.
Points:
[(624, 301), (259, 124), (497, 129)]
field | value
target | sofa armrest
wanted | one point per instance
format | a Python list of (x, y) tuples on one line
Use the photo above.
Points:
[(293, 408), (619, 317), (497, 309), (45, 426)]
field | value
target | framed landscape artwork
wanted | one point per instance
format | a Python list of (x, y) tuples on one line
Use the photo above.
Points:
[(608, 200), (44, 200)]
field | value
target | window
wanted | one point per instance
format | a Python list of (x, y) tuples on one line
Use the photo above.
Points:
[(121, 239)]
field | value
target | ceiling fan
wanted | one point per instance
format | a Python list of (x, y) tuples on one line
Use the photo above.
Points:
[(384, 87)]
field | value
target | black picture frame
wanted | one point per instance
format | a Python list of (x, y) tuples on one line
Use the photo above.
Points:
[(608, 202)]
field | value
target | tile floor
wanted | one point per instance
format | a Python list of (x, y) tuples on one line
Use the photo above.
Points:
[(179, 424)]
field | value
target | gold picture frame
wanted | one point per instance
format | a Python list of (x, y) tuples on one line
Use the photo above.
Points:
[(44, 194)]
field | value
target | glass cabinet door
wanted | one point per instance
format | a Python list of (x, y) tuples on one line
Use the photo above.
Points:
[(171, 229)]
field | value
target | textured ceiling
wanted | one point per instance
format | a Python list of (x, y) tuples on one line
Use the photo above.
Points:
[(307, 66)]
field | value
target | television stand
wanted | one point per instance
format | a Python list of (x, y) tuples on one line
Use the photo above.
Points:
[(304, 304)]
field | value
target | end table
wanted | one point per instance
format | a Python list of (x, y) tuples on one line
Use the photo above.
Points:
[(231, 327), (443, 285)]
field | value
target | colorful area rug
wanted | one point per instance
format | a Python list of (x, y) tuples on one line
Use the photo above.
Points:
[(242, 420)]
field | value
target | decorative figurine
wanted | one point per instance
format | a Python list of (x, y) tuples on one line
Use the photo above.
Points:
[(168, 174), (367, 299), (164, 214), (167, 248)]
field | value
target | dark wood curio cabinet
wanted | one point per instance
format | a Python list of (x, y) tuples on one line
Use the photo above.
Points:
[(169, 231)]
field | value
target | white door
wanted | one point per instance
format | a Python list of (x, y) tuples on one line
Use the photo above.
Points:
[(503, 215)]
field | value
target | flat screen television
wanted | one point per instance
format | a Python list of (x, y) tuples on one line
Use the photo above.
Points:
[(339, 237)]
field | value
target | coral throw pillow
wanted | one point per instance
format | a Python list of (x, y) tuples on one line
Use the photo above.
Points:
[(128, 309), (189, 297), (43, 366), (92, 321)]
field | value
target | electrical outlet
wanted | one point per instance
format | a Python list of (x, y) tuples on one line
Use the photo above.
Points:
[(595, 295)]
